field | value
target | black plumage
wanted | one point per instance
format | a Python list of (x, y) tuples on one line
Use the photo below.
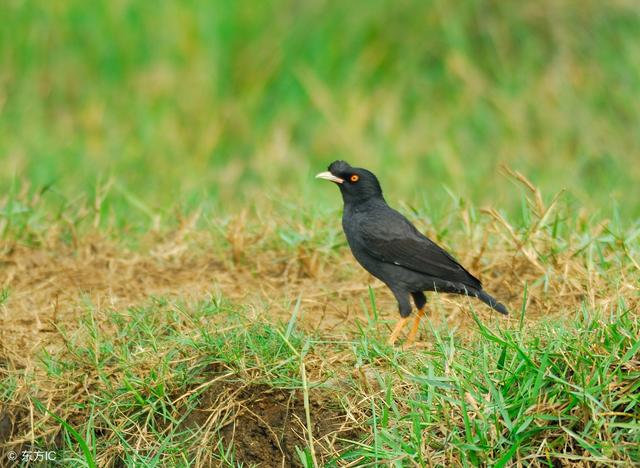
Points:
[(387, 245)]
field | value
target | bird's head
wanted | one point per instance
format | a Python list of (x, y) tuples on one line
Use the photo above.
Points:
[(356, 184)]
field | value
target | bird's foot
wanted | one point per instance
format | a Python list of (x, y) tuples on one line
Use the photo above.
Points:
[(415, 345), (397, 330)]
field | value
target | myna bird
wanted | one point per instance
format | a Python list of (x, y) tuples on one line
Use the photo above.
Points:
[(389, 247)]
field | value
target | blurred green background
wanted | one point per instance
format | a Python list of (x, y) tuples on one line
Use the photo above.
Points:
[(220, 103)]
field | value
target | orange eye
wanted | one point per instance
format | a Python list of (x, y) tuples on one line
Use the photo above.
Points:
[(354, 178)]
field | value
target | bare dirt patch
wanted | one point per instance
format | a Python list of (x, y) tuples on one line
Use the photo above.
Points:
[(264, 425), (52, 287)]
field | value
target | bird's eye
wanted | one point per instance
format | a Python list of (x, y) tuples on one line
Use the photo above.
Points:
[(354, 178)]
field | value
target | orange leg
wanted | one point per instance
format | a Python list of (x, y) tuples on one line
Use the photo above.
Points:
[(416, 324), (396, 331)]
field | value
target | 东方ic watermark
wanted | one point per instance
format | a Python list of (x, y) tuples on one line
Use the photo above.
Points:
[(32, 455)]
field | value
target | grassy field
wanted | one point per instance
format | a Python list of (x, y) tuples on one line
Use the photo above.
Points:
[(175, 287)]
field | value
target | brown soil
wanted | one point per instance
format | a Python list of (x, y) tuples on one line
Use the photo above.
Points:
[(13, 421), (265, 425), (8, 425), (54, 288)]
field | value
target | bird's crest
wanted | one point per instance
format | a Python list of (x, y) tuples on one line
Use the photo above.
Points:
[(338, 167)]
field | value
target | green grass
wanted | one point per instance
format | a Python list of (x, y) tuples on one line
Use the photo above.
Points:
[(199, 126), (562, 390), (496, 399)]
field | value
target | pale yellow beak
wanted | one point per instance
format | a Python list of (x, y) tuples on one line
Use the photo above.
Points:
[(329, 176)]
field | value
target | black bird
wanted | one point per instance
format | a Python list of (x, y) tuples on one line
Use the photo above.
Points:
[(389, 247)]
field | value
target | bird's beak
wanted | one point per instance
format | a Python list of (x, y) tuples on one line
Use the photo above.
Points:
[(329, 176)]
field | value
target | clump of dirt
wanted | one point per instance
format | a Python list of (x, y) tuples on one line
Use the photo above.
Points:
[(7, 424), (264, 425)]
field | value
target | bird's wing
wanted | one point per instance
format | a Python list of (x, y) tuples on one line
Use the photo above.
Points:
[(393, 239)]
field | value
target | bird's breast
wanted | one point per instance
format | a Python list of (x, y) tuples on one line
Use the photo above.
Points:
[(356, 244)]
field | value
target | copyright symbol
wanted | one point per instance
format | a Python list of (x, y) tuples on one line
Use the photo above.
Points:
[(12, 455)]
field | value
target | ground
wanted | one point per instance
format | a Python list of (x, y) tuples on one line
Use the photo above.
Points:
[(196, 354), (175, 286)]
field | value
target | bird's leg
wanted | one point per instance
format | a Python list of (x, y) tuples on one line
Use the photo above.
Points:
[(404, 307), (396, 331), (416, 324)]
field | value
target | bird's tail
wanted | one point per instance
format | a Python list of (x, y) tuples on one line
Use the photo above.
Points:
[(491, 302)]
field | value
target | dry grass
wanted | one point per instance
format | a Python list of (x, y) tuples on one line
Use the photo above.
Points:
[(51, 285), (74, 301), (50, 288)]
